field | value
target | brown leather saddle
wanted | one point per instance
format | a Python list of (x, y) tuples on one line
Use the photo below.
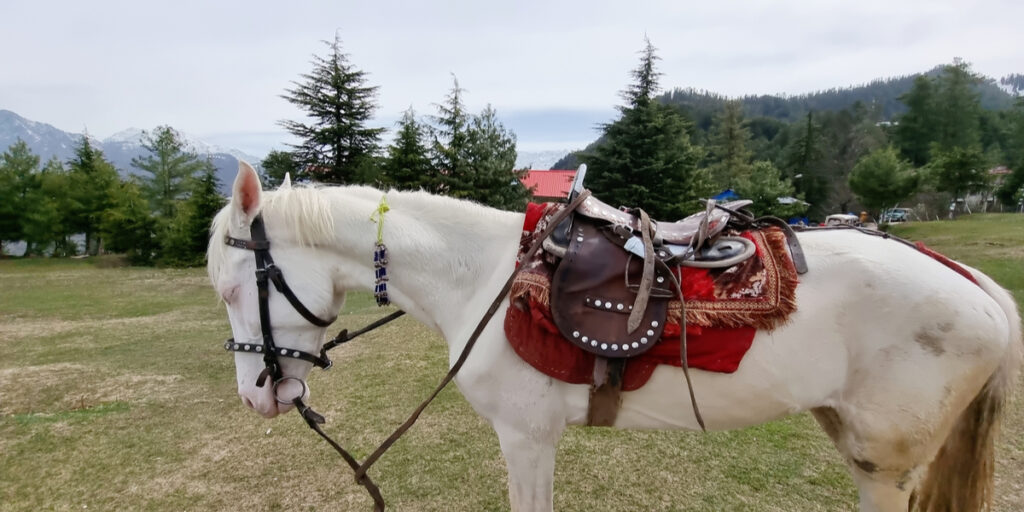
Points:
[(597, 283), (612, 285)]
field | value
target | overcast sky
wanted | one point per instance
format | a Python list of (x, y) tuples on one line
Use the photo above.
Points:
[(551, 69)]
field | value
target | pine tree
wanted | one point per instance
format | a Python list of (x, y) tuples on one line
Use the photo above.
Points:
[(185, 244), (129, 226), (452, 174), (169, 170), (1012, 190), (647, 158), (882, 179), (728, 146), (846, 136), (48, 214), (764, 185), (917, 129), (407, 165), (960, 171), (803, 166), (91, 178), (337, 146), (492, 154), (17, 179), (276, 165), (959, 107)]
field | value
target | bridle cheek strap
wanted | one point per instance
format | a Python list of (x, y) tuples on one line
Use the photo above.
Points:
[(267, 272)]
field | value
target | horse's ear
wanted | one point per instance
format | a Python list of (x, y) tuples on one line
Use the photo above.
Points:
[(245, 194), (287, 182)]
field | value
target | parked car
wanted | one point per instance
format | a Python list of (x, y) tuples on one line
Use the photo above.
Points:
[(896, 215), (839, 219)]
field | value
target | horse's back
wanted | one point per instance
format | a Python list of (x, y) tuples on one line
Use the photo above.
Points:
[(874, 318)]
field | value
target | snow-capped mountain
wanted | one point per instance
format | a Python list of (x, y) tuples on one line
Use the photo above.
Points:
[(539, 159), (44, 140), (120, 148), (132, 137)]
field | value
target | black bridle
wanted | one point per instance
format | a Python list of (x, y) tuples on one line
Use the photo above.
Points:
[(267, 271)]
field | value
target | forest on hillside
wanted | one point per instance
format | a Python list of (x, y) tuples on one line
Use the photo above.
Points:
[(933, 137)]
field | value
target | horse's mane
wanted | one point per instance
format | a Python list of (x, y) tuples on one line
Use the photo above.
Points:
[(311, 214), (302, 209)]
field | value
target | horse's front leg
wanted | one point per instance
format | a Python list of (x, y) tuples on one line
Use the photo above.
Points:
[(530, 457), (528, 412)]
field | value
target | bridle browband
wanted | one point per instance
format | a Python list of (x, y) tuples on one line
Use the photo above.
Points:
[(267, 271)]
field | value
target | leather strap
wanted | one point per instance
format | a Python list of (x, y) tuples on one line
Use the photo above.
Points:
[(682, 345), (360, 473), (796, 252), (265, 262), (251, 245), (643, 295), (320, 361), (314, 420), (606, 393), (344, 336)]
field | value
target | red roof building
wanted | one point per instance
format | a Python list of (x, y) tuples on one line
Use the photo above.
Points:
[(549, 185)]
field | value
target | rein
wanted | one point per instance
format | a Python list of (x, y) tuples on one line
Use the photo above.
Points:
[(266, 270)]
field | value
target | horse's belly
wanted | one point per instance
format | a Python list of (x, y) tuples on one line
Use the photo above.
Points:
[(785, 372)]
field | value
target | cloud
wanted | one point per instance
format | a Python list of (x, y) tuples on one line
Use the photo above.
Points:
[(219, 67)]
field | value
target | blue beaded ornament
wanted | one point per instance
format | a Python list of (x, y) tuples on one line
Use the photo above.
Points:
[(380, 256)]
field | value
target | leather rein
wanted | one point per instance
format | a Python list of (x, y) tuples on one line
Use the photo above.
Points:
[(267, 273)]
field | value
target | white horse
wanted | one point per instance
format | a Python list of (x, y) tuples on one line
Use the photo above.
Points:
[(904, 363)]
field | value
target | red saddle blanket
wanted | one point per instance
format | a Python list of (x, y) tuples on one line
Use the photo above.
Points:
[(724, 309)]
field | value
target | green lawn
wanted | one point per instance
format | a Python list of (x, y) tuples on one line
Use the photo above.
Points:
[(115, 394)]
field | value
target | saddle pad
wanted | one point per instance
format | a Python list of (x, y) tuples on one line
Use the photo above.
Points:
[(724, 309), (536, 340)]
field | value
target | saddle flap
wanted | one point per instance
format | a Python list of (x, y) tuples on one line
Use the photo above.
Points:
[(593, 291)]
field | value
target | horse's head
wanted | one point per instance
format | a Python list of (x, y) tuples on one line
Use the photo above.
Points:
[(272, 372)]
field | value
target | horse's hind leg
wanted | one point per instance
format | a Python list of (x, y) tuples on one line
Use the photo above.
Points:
[(883, 464), (890, 425)]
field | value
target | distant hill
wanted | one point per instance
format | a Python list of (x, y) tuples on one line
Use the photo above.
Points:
[(701, 106), (884, 93), (48, 141)]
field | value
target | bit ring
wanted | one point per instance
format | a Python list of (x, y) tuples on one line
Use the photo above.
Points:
[(292, 401)]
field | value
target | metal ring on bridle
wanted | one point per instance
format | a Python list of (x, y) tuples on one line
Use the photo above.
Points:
[(292, 401)]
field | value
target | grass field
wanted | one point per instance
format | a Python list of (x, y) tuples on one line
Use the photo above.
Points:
[(115, 394)]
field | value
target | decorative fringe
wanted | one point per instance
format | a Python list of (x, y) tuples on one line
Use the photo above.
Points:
[(767, 313), (536, 287)]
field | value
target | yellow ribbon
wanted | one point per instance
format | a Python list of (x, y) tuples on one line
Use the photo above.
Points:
[(378, 217)]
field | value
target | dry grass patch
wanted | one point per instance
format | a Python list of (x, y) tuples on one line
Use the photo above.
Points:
[(60, 387), (15, 328)]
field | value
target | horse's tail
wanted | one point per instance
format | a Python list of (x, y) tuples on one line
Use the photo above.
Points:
[(961, 476)]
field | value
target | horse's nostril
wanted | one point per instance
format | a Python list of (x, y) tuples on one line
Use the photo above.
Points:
[(248, 403)]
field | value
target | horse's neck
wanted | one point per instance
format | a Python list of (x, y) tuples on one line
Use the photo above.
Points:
[(447, 259)]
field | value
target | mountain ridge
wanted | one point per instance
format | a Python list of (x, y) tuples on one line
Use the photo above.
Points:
[(883, 92), (48, 141)]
